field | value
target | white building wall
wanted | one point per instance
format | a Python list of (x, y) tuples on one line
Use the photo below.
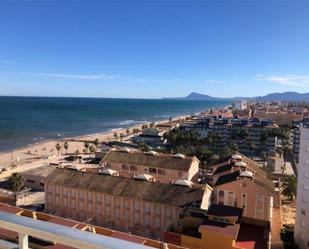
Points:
[(302, 201)]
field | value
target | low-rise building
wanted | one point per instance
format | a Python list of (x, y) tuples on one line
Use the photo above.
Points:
[(139, 206), (164, 168), (220, 227), (240, 182), (34, 178), (153, 137)]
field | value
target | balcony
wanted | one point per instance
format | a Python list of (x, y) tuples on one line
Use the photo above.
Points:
[(46, 231)]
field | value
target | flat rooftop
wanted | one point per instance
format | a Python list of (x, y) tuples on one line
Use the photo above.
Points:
[(43, 171)]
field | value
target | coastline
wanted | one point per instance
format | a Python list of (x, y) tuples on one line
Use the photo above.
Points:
[(46, 148)]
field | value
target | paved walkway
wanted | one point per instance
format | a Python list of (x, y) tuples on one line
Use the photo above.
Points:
[(28, 166), (276, 242)]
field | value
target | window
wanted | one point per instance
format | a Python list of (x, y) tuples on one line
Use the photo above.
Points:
[(147, 208), (221, 197), (230, 198), (133, 168), (117, 202), (108, 200), (124, 167), (153, 170), (136, 205), (98, 209), (243, 201), (127, 216), (30, 181), (73, 193), (259, 206), (81, 195), (98, 197), (136, 218), (41, 184), (303, 211)]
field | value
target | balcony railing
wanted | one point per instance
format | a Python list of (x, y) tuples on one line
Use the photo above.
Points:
[(25, 227)]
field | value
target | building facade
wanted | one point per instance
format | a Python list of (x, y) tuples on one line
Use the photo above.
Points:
[(164, 168), (302, 201), (141, 207)]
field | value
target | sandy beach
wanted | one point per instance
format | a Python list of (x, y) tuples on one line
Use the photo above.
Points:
[(47, 148)]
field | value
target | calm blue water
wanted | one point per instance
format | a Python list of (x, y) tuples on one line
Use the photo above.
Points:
[(27, 120)]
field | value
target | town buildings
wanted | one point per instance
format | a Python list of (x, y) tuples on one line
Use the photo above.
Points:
[(240, 105), (220, 227), (153, 137), (240, 182), (136, 205), (253, 137), (35, 178), (164, 168), (302, 200)]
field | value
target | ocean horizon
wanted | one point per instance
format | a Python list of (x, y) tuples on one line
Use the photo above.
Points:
[(29, 120)]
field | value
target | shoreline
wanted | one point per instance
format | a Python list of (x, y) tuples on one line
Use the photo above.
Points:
[(46, 148)]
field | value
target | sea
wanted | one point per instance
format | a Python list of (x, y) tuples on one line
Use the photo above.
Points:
[(28, 120)]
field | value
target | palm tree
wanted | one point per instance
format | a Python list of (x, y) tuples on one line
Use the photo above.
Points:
[(128, 131), (92, 149), (144, 126), (152, 124), (115, 135), (96, 142), (16, 181), (86, 145), (121, 136), (289, 186), (58, 148), (66, 147)]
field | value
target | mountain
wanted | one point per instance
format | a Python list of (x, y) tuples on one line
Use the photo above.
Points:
[(197, 96), (285, 96)]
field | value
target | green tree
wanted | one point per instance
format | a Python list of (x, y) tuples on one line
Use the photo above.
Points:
[(289, 186), (121, 136), (152, 124), (16, 181), (66, 147), (58, 148), (144, 126), (128, 131), (226, 151), (86, 145), (115, 135), (96, 142), (143, 146), (92, 149)]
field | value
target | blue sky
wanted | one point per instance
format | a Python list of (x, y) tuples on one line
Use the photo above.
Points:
[(153, 49)]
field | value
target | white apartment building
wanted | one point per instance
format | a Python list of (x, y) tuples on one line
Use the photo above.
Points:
[(240, 105), (302, 201)]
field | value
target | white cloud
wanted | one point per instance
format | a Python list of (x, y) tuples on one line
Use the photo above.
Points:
[(288, 80), (99, 77), (212, 81), (71, 76), (9, 62)]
